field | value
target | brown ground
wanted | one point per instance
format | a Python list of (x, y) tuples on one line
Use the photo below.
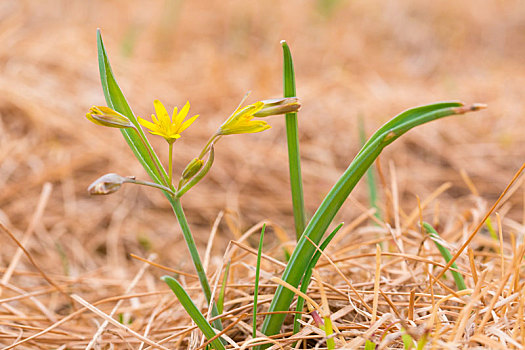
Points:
[(352, 58)]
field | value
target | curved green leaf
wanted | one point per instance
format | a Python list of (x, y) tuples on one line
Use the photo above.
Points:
[(326, 212), (308, 276), (193, 311), (115, 99)]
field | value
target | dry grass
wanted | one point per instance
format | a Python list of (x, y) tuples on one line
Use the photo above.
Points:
[(363, 58)]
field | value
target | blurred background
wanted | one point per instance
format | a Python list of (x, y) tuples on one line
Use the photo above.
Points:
[(353, 59)]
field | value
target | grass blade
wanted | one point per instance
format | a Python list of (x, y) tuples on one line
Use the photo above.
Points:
[(326, 212), (220, 300), (458, 278), (256, 290), (294, 157), (115, 99), (192, 247), (308, 276), (193, 311)]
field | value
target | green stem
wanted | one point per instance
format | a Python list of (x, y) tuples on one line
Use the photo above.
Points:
[(170, 165), (206, 148), (155, 159), (152, 184), (190, 242), (294, 158)]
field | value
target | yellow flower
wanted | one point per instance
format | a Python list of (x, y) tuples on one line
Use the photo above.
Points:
[(241, 121), (163, 125)]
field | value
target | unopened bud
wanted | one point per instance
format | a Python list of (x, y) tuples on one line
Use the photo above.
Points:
[(105, 116), (276, 106), (192, 168), (107, 184)]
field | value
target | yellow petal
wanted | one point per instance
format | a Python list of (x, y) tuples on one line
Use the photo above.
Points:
[(160, 133), (147, 124), (162, 113), (245, 128), (182, 114), (155, 120), (187, 123), (174, 115), (91, 119)]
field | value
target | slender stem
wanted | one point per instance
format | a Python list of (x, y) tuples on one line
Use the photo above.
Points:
[(152, 184), (170, 165), (206, 148), (192, 247), (158, 166)]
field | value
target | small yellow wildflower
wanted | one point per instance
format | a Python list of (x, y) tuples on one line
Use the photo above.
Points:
[(241, 121), (163, 125)]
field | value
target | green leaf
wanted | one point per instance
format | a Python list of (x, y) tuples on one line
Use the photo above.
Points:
[(135, 138), (292, 138), (220, 300), (326, 212), (256, 288), (193, 311), (308, 276), (458, 278)]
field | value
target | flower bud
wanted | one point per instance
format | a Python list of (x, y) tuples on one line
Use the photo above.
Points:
[(107, 184), (105, 116), (241, 121), (192, 168), (276, 106)]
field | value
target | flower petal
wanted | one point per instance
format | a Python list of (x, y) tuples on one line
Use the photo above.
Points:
[(182, 114), (187, 123), (147, 124), (162, 113)]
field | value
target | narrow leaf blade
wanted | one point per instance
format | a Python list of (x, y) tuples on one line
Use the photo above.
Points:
[(339, 193), (115, 99), (193, 311), (292, 138), (445, 253)]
